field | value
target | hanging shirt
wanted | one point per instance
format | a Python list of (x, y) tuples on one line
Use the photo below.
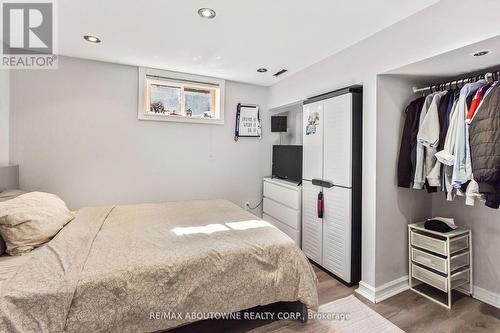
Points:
[(420, 173), (444, 110), (444, 122), (445, 156), (428, 136), (488, 90), (475, 102), (462, 170)]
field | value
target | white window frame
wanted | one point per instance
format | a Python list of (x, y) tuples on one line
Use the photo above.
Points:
[(190, 80)]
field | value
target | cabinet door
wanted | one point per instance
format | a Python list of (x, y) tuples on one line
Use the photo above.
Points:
[(313, 141), (337, 159), (337, 232), (312, 225)]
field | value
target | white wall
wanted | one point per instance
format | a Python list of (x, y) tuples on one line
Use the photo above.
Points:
[(74, 132), (408, 41), (4, 116), (485, 225), (396, 207)]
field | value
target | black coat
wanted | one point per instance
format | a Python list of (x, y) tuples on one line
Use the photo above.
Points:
[(407, 151), (484, 139)]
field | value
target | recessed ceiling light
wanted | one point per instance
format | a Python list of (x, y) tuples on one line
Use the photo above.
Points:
[(481, 53), (92, 39), (262, 70), (207, 13)]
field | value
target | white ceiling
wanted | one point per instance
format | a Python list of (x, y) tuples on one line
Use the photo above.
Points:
[(454, 64), (244, 36)]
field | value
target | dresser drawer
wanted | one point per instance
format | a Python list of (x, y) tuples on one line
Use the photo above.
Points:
[(280, 212), (428, 243), (438, 263), (282, 194), (292, 233)]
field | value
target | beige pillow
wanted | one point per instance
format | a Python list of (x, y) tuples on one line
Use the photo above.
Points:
[(31, 219)]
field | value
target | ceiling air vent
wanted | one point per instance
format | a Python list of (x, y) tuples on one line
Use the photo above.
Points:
[(281, 72)]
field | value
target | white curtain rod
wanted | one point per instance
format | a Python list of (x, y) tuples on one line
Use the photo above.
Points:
[(489, 76)]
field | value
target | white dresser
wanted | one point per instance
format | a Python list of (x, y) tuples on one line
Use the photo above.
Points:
[(440, 262), (282, 206)]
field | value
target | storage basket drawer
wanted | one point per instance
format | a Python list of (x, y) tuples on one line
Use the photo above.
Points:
[(438, 281), (459, 244), (428, 243), (460, 278), (433, 279), (460, 261), (438, 263), (429, 260)]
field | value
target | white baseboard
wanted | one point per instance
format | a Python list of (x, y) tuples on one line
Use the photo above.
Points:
[(399, 285), (486, 296), (384, 291), (366, 291)]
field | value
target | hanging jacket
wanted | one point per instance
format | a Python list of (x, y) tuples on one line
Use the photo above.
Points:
[(485, 147), (407, 151), (462, 170), (428, 136), (420, 172)]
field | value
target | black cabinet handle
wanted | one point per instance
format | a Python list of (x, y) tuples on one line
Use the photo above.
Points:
[(322, 183), (320, 205)]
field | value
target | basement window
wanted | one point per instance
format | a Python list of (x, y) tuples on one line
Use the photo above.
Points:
[(170, 96)]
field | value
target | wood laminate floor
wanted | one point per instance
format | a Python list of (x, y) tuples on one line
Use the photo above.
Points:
[(408, 310)]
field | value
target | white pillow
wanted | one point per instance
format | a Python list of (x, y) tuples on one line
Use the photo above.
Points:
[(31, 220)]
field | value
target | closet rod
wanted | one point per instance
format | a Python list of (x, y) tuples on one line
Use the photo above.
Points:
[(443, 85)]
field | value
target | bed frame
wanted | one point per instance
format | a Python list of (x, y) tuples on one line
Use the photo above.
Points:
[(297, 309), (9, 177)]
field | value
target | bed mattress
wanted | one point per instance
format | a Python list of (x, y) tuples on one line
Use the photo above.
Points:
[(127, 268)]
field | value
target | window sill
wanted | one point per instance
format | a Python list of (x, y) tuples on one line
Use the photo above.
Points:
[(180, 119)]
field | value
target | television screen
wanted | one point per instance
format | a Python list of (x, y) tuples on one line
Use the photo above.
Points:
[(278, 124), (287, 162)]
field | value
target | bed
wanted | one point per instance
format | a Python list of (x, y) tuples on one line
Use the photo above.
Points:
[(130, 268)]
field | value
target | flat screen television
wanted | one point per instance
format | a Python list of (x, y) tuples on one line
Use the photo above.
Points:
[(287, 162)]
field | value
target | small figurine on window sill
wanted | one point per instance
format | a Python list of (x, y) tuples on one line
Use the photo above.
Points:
[(189, 112)]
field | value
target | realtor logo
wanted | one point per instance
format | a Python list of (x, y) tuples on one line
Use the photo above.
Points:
[(28, 30)]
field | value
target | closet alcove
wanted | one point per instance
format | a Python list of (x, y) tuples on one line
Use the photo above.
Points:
[(398, 206), (293, 135)]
